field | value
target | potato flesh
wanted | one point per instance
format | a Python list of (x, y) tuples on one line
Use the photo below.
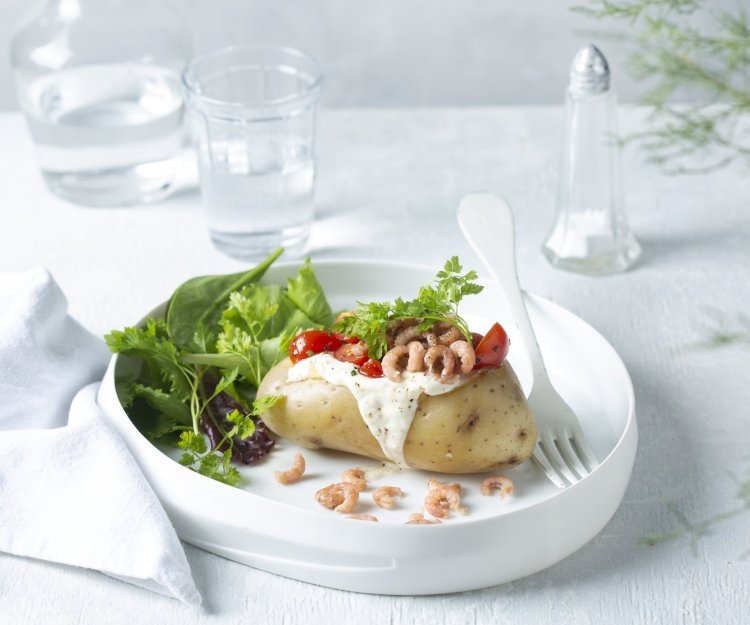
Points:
[(483, 425)]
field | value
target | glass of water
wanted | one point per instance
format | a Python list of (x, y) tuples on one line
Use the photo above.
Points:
[(99, 82), (252, 113)]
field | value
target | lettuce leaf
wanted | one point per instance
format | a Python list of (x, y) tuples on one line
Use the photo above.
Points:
[(307, 294)]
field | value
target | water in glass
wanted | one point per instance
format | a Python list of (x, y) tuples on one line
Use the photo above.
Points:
[(258, 193), (107, 134), (252, 112)]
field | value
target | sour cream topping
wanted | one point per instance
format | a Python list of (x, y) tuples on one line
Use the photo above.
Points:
[(387, 407)]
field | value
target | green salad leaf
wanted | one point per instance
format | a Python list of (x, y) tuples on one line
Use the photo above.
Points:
[(197, 457), (163, 402), (200, 367), (152, 344), (197, 304), (307, 294)]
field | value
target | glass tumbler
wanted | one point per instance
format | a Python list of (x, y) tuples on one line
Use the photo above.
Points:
[(252, 112)]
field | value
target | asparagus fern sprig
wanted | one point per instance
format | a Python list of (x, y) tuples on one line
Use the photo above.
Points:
[(679, 60)]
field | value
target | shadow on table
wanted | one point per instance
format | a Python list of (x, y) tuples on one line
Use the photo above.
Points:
[(181, 194), (693, 246), (327, 210), (341, 252)]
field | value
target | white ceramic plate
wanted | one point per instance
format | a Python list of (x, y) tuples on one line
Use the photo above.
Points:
[(282, 529)]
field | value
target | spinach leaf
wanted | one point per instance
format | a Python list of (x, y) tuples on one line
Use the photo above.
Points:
[(198, 303)]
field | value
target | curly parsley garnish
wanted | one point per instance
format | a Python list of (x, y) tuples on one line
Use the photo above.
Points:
[(435, 303), (214, 462)]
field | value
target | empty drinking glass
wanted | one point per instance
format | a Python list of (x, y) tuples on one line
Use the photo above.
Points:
[(252, 116)]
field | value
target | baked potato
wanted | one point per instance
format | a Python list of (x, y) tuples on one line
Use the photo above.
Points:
[(482, 425)]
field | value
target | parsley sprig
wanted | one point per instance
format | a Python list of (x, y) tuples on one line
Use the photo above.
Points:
[(435, 303), (215, 462), (191, 379), (178, 396)]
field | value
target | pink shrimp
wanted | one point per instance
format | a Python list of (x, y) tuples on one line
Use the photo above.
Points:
[(417, 518), (406, 335), (451, 335), (394, 362), (290, 476), (440, 361), (356, 477), (341, 497), (385, 496), (441, 500), (497, 482), (398, 328), (416, 356), (433, 484), (363, 517), (465, 353)]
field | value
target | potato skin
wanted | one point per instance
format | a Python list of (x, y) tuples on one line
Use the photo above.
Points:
[(483, 425)]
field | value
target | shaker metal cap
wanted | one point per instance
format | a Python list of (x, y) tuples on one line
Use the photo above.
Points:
[(589, 73)]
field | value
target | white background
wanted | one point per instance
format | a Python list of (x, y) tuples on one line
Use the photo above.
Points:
[(400, 52)]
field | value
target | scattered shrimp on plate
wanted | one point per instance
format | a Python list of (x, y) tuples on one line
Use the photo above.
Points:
[(385, 496), (417, 518), (356, 477), (442, 498), (497, 482), (290, 476), (341, 497)]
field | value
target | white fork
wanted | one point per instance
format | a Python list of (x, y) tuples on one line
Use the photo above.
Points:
[(561, 450)]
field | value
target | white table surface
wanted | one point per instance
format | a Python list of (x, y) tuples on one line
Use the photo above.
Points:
[(389, 184)]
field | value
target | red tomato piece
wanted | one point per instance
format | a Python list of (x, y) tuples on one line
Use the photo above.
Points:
[(372, 368), (476, 339), (355, 353), (345, 339), (493, 348), (310, 343)]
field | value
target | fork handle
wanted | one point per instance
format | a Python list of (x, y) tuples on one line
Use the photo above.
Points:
[(487, 223)]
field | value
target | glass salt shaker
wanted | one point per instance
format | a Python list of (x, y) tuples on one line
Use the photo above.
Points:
[(590, 235), (99, 83)]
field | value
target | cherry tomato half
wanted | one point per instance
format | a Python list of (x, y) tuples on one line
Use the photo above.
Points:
[(492, 349), (355, 353), (310, 343), (345, 339), (372, 368)]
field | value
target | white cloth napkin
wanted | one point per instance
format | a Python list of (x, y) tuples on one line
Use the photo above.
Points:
[(70, 492)]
